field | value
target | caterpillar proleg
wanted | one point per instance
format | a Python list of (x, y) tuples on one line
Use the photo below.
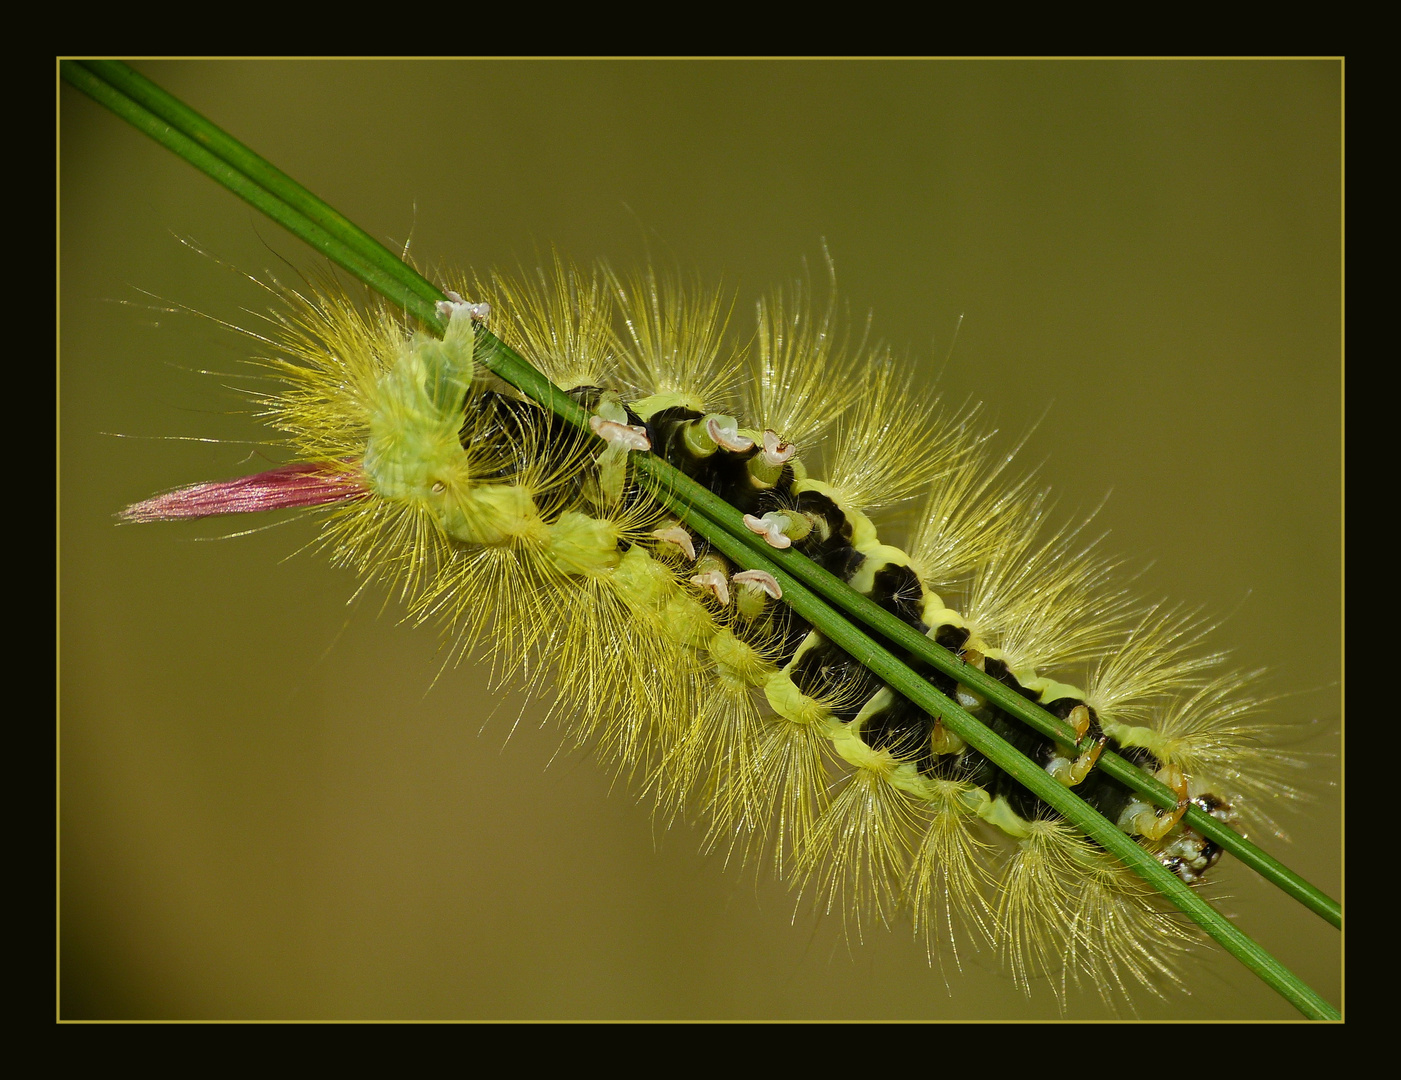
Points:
[(490, 809)]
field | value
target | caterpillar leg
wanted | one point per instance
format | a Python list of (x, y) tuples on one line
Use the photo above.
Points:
[(1150, 822), (1071, 771), (622, 438), (454, 303), (678, 538), (716, 583), (724, 432), (779, 530)]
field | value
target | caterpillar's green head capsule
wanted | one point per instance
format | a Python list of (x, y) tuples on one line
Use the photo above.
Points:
[(416, 455), (416, 413)]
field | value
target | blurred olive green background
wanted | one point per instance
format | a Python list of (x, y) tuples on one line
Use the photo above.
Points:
[(271, 809)]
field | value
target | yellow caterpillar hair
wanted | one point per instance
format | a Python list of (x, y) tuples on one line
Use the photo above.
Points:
[(268, 812), (537, 549)]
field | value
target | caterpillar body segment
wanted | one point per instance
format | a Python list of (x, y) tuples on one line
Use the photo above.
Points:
[(534, 544)]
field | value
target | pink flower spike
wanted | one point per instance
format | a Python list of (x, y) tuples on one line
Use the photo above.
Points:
[(286, 487)]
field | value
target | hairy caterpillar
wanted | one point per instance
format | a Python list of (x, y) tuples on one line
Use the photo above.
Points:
[(278, 598)]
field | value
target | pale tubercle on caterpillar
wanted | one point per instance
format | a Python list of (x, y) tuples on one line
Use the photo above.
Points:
[(490, 515)]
